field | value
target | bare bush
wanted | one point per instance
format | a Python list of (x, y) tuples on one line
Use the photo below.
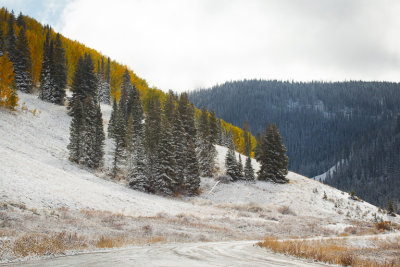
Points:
[(285, 210)]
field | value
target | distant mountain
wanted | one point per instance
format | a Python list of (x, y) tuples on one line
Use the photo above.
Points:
[(371, 167), (320, 121)]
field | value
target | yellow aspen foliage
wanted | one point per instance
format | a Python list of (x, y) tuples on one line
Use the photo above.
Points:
[(8, 96), (73, 51)]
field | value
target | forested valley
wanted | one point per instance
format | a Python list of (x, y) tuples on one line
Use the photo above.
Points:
[(323, 124)]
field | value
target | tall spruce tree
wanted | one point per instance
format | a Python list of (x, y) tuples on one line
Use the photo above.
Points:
[(106, 96), (187, 112), (21, 20), (11, 39), (272, 158), (129, 137), (248, 170), (152, 137), (206, 149), (180, 146), (118, 137), (169, 106), (75, 145), (191, 183), (214, 129), (58, 72), (137, 175), (100, 138), (111, 122), (89, 133), (231, 164), (23, 63), (126, 88), (135, 109), (165, 182), (103, 84), (46, 81), (84, 83)]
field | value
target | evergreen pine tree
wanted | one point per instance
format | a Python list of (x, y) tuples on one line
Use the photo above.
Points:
[(180, 146), (165, 180), (390, 209), (203, 144), (152, 137), (23, 63), (78, 94), (75, 145), (206, 148), (118, 137), (192, 176), (111, 122), (89, 133), (129, 140), (231, 164), (107, 81), (248, 170), (272, 158), (136, 110), (84, 83), (100, 139), (11, 40), (137, 175), (126, 88), (169, 106), (90, 79), (282, 159), (214, 129), (21, 20), (46, 82), (58, 72), (187, 112)]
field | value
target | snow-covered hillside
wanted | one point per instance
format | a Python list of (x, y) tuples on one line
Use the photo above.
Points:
[(35, 172)]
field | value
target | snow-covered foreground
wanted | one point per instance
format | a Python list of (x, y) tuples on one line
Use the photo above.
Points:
[(233, 253), (40, 189)]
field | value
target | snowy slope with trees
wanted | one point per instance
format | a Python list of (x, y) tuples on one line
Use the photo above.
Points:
[(36, 171), (37, 175)]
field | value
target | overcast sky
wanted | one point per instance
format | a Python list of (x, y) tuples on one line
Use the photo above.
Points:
[(187, 44)]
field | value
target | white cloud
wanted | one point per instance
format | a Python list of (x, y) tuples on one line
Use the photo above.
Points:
[(185, 44)]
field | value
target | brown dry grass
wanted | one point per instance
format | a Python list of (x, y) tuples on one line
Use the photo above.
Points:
[(120, 241), (332, 251), (40, 244)]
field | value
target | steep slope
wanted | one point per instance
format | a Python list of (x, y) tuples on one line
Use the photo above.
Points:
[(42, 194)]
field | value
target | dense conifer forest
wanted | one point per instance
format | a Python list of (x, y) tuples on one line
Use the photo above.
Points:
[(322, 123)]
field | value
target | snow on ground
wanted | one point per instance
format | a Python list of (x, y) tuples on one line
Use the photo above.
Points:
[(323, 176), (35, 171)]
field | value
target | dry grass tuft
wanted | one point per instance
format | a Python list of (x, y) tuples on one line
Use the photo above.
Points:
[(40, 244), (386, 225), (330, 251)]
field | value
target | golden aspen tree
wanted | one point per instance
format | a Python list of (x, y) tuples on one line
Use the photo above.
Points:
[(8, 95)]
